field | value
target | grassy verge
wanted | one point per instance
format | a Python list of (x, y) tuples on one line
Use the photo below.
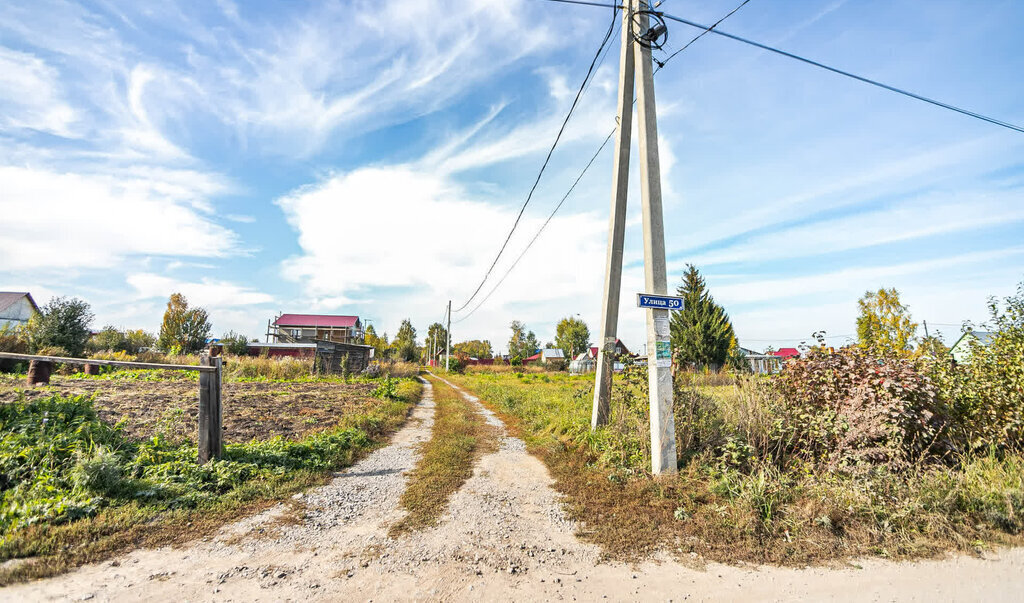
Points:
[(77, 490), (728, 505), (460, 436)]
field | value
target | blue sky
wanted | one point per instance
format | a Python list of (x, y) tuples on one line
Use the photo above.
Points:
[(369, 158)]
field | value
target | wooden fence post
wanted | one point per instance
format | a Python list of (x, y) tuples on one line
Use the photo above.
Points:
[(38, 373), (210, 436)]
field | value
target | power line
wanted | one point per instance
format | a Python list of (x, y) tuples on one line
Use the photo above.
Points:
[(578, 178), (661, 64), (615, 6), (542, 227), (575, 102), (985, 118)]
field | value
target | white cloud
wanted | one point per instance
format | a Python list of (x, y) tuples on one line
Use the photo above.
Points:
[(31, 97), (209, 293), (59, 220), (852, 281), (928, 215), (405, 241)]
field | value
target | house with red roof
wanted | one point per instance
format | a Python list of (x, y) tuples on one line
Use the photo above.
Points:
[(306, 328), (335, 341), (787, 353)]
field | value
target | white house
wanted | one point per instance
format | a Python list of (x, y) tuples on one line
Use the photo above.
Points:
[(961, 350), (761, 364), (16, 308)]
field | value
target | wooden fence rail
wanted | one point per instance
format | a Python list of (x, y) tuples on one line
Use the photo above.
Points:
[(211, 371)]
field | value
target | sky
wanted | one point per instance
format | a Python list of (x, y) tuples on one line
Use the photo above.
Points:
[(370, 157)]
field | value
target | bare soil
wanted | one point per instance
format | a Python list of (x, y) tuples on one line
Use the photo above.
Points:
[(252, 410), (503, 536)]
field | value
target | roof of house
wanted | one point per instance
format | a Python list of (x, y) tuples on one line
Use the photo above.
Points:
[(534, 357), (316, 320), (786, 352), (594, 349), (552, 353), (9, 298), (983, 337)]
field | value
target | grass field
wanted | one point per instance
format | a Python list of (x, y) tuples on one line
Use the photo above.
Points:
[(92, 467), (727, 503)]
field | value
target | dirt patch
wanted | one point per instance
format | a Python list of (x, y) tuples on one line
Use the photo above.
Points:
[(251, 410)]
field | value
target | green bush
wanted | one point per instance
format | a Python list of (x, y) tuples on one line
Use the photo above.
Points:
[(985, 395)]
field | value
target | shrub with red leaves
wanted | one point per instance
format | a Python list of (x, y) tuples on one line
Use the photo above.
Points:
[(849, 408)]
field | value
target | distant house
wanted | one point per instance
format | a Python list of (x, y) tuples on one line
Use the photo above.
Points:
[(761, 364), (306, 328), (586, 362), (786, 353), (335, 341), (16, 308), (961, 350), (551, 355)]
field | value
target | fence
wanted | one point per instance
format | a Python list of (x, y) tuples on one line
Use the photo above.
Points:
[(210, 368)]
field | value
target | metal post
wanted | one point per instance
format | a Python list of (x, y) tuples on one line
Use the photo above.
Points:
[(448, 332), (659, 362), (616, 232)]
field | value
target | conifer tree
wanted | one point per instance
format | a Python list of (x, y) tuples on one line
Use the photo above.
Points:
[(702, 334)]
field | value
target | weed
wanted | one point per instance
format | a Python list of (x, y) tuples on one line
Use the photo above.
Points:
[(460, 436)]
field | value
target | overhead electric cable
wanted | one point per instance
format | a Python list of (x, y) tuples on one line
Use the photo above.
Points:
[(602, 5), (932, 101), (578, 178), (542, 227), (558, 137), (661, 64)]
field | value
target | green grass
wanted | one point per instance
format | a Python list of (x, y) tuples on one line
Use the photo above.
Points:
[(733, 500), (76, 489), (460, 435)]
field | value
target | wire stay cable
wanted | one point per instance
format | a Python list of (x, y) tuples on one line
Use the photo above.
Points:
[(536, 182), (542, 227), (907, 93)]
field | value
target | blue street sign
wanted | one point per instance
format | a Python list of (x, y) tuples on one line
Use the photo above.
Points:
[(659, 302)]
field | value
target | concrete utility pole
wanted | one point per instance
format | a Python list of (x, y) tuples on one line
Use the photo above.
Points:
[(616, 232), (448, 331), (659, 356), (659, 363)]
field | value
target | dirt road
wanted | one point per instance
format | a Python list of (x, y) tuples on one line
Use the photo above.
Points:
[(504, 537)]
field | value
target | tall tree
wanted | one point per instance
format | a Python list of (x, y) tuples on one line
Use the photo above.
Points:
[(380, 344), (475, 348), (63, 323), (184, 330), (572, 336), (437, 339), (884, 325), (701, 332), (404, 344), (523, 343)]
